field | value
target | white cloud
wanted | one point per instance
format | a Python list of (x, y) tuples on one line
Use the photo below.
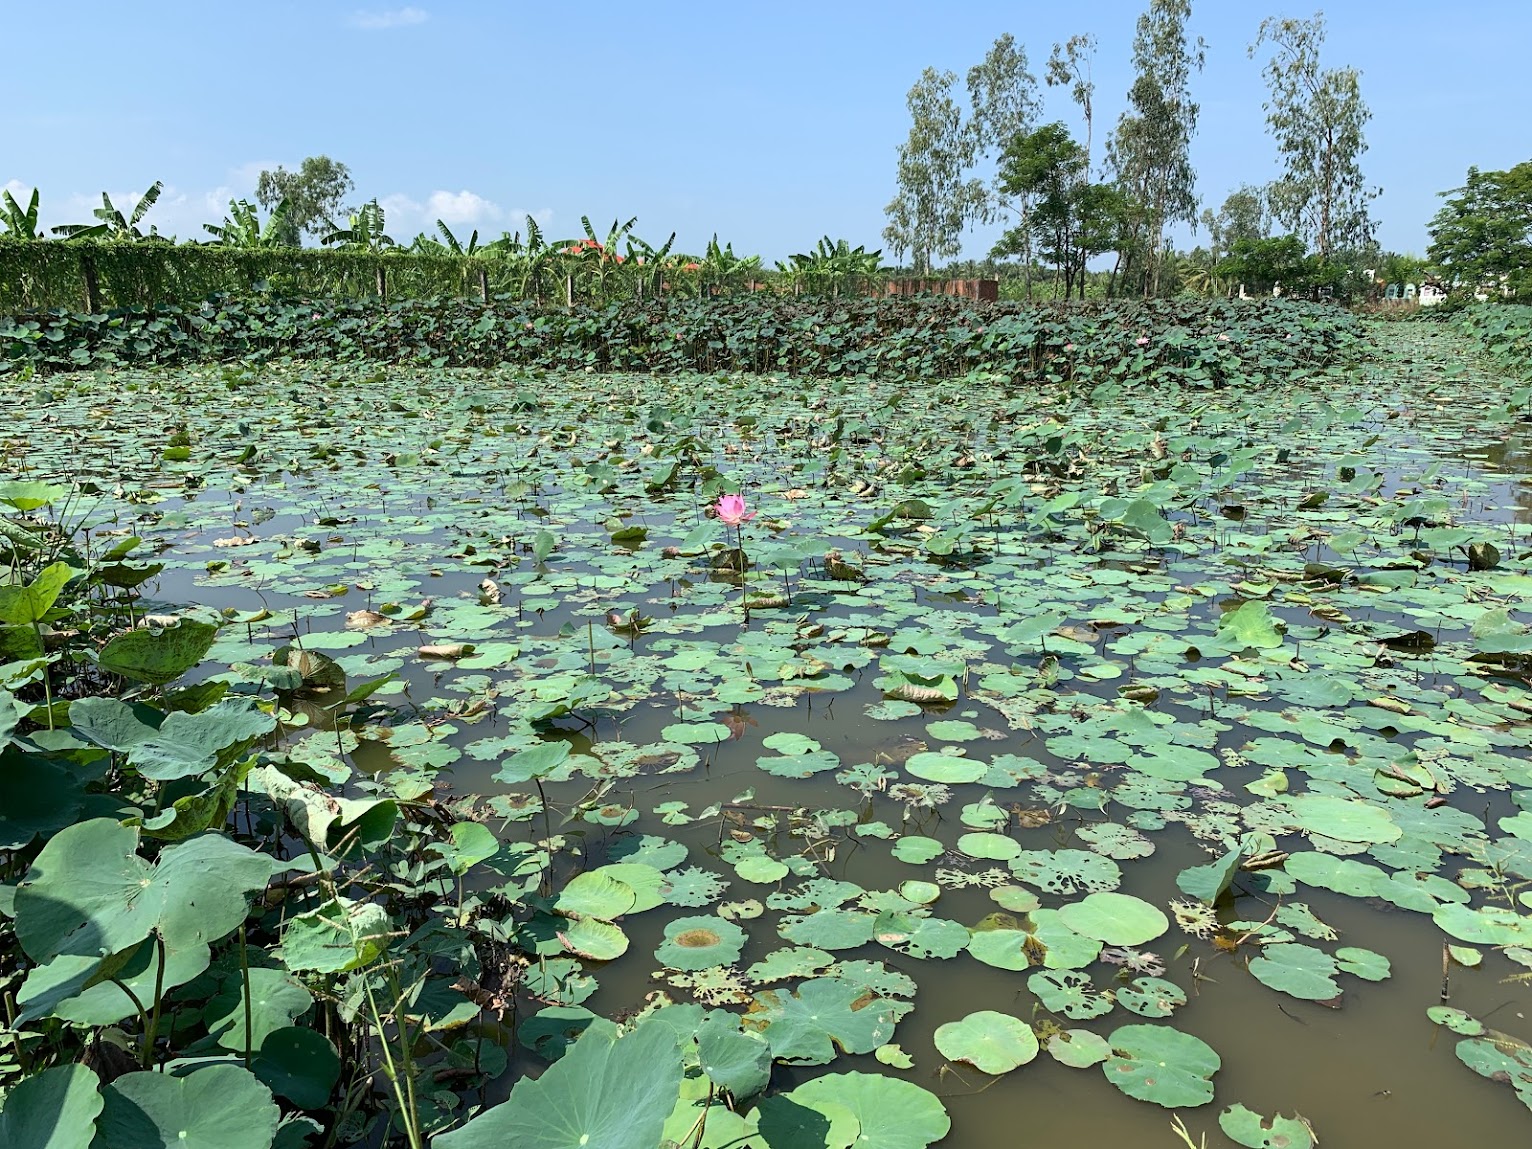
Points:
[(378, 19), (462, 207)]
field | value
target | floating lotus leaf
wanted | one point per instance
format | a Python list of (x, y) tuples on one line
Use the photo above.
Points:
[(1151, 997), (1343, 819), (1111, 840), (594, 939), (918, 850), (991, 1042), (1362, 963), (894, 1055), (1250, 1129), (829, 929), (1339, 875), (1078, 1048), (920, 937), (782, 1122), (54, 1109), (795, 961), (595, 895), (760, 869), (694, 886), (650, 850), (613, 1092), (1066, 872), (1163, 1065), (1299, 970), (699, 942), (1250, 624), (1456, 1020), (1017, 899), (1061, 947), (158, 656), (890, 1113), (948, 768), (1488, 925), (1070, 994), (993, 847), (1002, 948), (1117, 919), (1500, 1058), (921, 893), (644, 880), (220, 1107), (824, 1014)]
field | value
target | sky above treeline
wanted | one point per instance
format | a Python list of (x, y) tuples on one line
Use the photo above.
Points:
[(769, 122)]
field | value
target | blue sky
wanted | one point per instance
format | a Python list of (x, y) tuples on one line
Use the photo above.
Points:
[(771, 123)]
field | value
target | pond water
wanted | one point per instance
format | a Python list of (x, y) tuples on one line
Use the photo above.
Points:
[(1018, 649)]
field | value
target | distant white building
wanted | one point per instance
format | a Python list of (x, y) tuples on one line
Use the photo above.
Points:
[(1431, 294)]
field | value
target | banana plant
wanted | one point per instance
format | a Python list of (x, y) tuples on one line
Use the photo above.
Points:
[(455, 245), (364, 233), (532, 264), (650, 264), (597, 263), (242, 226), (722, 270), (18, 223), (831, 266), (113, 224)]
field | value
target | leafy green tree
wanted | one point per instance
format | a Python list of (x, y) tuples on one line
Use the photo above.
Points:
[(242, 227), (1003, 96), (314, 191), (1261, 264), (1484, 231), (18, 223), (1317, 117), (936, 196), (1150, 150)]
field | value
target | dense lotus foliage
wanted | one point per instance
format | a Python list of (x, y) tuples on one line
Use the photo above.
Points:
[(406, 753)]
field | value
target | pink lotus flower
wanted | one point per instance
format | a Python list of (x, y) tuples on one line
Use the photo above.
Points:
[(1069, 347), (1143, 339), (731, 512)]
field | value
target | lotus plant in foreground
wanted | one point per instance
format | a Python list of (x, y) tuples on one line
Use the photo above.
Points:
[(730, 511)]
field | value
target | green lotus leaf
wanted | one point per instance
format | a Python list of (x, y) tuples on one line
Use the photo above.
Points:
[(700, 942), (1250, 624), (220, 1107), (298, 1064), (1066, 872), (595, 895), (1488, 925), (1343, 819), (1117, 919), (1208, 883), (1078, 1048), (1456, 1020), (918, 850), (891, 1113), (920, 937), (937, 767), (594, 939), (920, 893), (735, 1059), (1163, 1065), (1001, 948), (1061, 947), (1070, 994), (608, 1091), (829, 929), (1250, 1129), (341, 935), (760, 869), (1151, 997), (993, 847), (824, 1014), (784, 1123), (991, 1042), (1299, 970), (158, 656), (276, 1001), (54, 1109)]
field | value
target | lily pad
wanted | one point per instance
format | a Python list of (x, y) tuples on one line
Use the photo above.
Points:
[(991, 1042), (1116, 919), (699, 942), (1163, 1065)]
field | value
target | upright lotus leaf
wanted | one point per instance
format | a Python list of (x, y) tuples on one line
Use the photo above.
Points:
[(536, 762), (593, 938), (1250, 1129), (783, 1122), (699, 942), (299, 1064), (735, 1059), (1116, 919), (189, 744), (89, 894), (30, 603), (219, 1107), (991, 1042), (276, 1001), (340, 935), (826, 1013), (27, 495), (1208, 883), (611, 1092), (36, 797), (54, 1109), (892, 1113), (1163, 1065), (470, 843), (158, 655), (595, 895)]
